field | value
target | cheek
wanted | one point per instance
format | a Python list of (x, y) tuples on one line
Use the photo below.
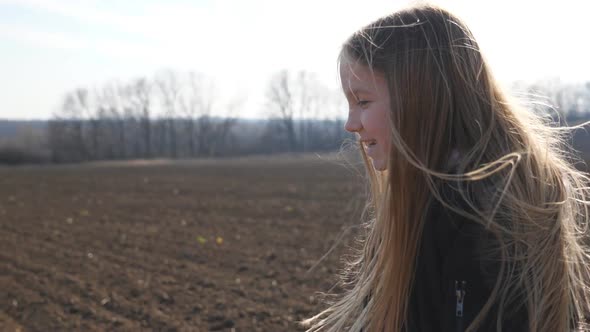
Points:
[(374, 120), (381, 126), (383, 131)]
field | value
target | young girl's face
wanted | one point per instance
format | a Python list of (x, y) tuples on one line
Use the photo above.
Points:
[(369, 106)]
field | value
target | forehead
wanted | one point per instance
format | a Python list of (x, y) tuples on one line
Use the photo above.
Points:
[(357, 77)]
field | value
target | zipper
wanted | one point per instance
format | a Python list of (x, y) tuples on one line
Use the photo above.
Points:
[(460, 294)]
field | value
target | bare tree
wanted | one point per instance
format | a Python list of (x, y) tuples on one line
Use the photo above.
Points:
[(223, 127), (312, 97), (71, 115), (300, 95), (169, 88), (141, 96), (112, 136), (280, 98), (562, 100), (196, 102), (133, 113)]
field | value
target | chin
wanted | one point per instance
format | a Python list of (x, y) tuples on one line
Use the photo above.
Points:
[(380, 165)]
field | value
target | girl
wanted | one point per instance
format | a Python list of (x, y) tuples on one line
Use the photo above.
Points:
[(479, 218)]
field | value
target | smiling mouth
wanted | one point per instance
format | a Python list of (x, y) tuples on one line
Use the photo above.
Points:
[(369, 143)]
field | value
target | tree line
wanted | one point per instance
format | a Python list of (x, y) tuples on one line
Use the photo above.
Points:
[(118, 121), (180, 115)]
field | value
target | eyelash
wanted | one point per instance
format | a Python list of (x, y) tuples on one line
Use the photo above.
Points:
[(362, 103)]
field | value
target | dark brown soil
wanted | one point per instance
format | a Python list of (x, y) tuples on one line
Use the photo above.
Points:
[(215, 245)]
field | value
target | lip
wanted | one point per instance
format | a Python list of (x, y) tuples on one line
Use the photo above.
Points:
[(369, 142), (369, 147)]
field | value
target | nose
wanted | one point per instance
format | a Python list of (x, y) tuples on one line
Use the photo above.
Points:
[(353, 124)]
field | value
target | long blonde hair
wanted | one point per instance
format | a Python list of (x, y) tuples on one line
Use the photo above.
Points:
[(515, 177)]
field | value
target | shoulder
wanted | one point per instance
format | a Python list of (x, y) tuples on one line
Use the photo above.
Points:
[(465, 244)]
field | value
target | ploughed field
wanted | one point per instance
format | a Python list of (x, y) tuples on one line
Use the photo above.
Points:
[(212, 245)]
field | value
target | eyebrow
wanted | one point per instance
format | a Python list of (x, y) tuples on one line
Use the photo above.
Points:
[(354, 92)]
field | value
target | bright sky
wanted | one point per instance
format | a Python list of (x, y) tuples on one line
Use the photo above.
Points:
[(48, 48)]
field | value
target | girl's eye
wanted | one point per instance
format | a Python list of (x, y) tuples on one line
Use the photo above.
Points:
[(362, 103)]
